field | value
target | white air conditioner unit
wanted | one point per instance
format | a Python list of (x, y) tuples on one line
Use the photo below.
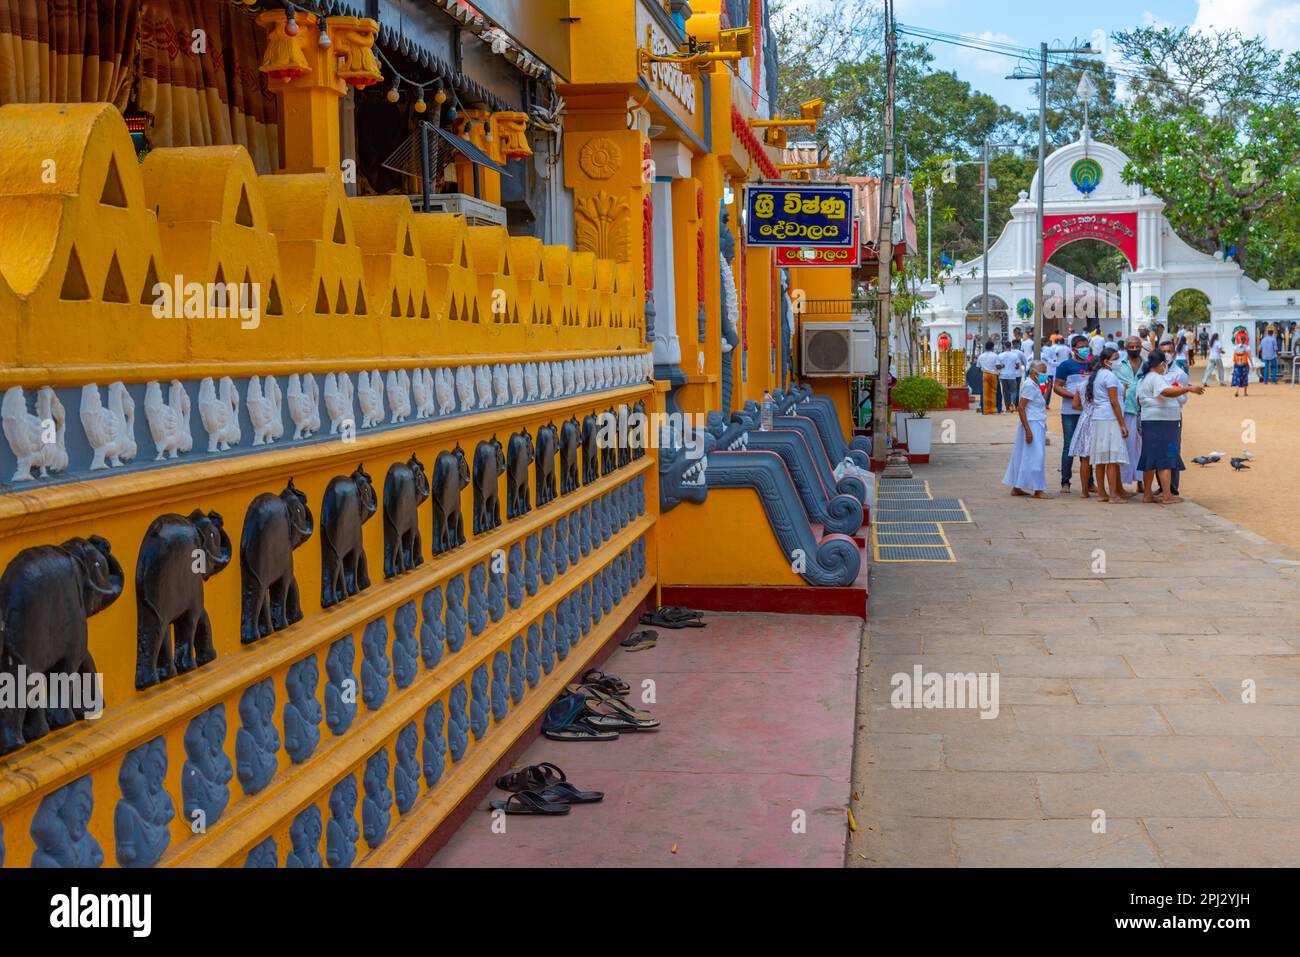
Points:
[(838, 348), (476, 211)]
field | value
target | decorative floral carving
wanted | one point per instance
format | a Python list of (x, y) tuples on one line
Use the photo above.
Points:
[(600, 157), (601, 222)]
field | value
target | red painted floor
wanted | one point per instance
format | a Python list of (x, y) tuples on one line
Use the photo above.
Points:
[(757, 715)]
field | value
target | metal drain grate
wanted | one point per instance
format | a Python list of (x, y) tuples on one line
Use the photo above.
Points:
[(910, 538), (911, 528), (914, 553), (944, 504), (888, 515)]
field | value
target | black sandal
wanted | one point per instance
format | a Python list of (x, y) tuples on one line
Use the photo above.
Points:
[(535, 777), (564, 793), (528, 802), (640, 640), (674, 617), (615, 702), (610, 684)]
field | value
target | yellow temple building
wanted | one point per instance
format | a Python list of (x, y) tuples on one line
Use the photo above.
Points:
[(312, 315)]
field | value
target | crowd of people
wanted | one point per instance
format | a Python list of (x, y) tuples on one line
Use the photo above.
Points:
[(1121, 412)]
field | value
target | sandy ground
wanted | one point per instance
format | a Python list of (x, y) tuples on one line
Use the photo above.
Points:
[(1265, 499)]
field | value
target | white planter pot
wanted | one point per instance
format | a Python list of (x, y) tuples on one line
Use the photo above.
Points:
[(900, 425), (919, 433)]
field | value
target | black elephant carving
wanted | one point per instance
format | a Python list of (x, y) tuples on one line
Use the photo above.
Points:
[(274, 526), (489, 463), (547, 445), (628, 425), (450, 478), (173, 632), (608, 439), (519, 458), (348, 504), (405, 489), (637, 437), (590, 450), (570, 441), (47, 594)]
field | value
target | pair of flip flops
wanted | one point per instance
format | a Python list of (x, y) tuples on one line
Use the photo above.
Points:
[(541, 789), (602, 717), (673, 616), (640, 640)]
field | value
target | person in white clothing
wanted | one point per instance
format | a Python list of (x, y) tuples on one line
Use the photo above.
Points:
[(1026, 472), (1108, 449), (1215, 361), (1096, 343), (1011, 369)]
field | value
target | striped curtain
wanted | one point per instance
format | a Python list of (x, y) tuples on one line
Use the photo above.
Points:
[(205, 89), (202, 89), (67, 51)]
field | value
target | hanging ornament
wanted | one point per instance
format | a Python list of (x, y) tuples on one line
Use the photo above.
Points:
[(393, 93), (323, 40), (440, 95), (291, 27), (420, 105)]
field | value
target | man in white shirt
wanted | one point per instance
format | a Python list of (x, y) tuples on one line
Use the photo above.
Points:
[(1027, 347), (1011, 370), (1096, 343), (990, 394)]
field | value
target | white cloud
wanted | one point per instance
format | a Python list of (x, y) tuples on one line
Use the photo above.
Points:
[(1277, 21)]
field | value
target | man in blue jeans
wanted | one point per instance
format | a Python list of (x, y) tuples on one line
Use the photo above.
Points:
[(1070, 377), (1268, 355)]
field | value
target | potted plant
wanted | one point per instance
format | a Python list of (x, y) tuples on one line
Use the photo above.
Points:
[(917, 395)]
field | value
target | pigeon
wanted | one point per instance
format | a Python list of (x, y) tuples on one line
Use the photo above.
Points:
[(1238, 464), (1246, 455), (1215, 456), (1203, 461)]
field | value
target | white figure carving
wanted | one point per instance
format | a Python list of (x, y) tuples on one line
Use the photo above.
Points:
[(483, 382), (370, 393), (516, 373), (220, 413), (611, 379), (169, 422), (500, 384), (543, 375), (399, 395), (570, 377), (304, 405), (111, 431), (265, 405), (530, 381), (27, 433), (465, 387), (589, 374), (557, 379), (338, 400), (444, 386), (422, 389)]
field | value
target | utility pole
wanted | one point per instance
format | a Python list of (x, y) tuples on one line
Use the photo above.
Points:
[(885, 251), (1041, 77), (929, 229), (984, 302)]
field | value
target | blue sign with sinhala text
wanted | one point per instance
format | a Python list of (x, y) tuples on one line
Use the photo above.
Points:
[(809, 216)]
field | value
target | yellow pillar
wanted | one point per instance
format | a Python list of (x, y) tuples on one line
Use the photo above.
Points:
[(309, 79)]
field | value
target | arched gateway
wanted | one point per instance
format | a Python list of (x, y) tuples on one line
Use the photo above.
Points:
[(1086, 198)]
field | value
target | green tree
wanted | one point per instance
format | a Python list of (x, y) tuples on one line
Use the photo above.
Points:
[(1211, 123)]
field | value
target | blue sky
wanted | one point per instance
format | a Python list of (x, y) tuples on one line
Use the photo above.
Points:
[(1026, 23)]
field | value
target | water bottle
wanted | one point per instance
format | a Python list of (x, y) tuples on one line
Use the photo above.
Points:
[(767, 411)]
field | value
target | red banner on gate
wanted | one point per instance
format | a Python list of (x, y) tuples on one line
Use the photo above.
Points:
[(1115, 229)]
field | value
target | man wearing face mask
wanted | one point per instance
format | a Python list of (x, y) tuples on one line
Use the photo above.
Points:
[(1128, 370), (1070, 376)]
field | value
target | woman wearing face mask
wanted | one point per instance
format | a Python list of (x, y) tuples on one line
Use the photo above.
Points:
[(1127, 370), (1081, 441), (1162, 414), (1026, 471), (1071, 374), (1108, 450)]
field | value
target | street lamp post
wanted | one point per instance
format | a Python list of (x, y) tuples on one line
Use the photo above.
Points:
[(929, 229), (1041, 77)]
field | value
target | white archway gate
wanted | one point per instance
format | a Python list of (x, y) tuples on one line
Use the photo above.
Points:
[(1085, 197)]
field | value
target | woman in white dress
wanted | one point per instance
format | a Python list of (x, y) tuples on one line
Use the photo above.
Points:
[(1081, 443), (1025, 472), (1109, 450)]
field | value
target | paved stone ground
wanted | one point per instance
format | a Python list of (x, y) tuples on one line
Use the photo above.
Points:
[(1120, 692), (757, 715)]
